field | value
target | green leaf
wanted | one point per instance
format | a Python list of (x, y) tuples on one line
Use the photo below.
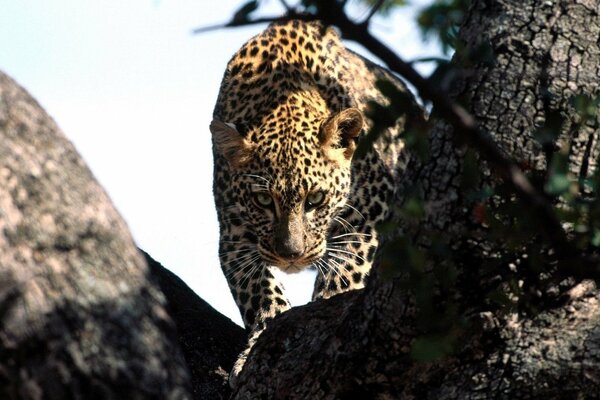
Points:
[(482, 194), (431, 348), (596, 238), (441, 20), (558, 184), (586, 106), (386, 7), (413, 208)]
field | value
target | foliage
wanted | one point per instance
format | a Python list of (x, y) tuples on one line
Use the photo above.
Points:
[(441, 21), (385, 7), (438, 21), (577, 202), (517, 267)]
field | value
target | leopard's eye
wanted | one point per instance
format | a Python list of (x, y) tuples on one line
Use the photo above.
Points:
[(314, 200), (263, 199)]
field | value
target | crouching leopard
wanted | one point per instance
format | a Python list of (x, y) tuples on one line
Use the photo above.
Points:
[(289, 193)]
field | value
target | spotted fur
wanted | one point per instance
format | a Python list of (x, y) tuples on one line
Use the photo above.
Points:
[(288, 191)]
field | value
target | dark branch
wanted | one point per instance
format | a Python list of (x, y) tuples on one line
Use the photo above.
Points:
[(263, 20), (372, 12), (234, 24), (285, 5)]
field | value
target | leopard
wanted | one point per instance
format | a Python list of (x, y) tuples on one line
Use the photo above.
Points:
[(293, 107)]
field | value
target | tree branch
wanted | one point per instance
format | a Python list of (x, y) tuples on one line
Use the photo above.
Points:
[(235, 24), (279, 18), (372, 12), (285, 5), (465, 126)]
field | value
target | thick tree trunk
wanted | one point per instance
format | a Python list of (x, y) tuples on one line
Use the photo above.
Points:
[(538, 47), (359, 343), (80, 315)]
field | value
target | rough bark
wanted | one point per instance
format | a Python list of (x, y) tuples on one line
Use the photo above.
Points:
[(362, 351), (537, 46), (359, 344), (79, 317)]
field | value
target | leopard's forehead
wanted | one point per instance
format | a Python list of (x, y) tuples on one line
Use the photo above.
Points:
[(289, 133), (288, 151)]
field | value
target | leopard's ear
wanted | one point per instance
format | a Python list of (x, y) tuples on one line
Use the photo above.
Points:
[(229, 143), (339, 134)]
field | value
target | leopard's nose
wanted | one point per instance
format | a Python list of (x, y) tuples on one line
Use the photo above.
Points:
[(289, 248), (290, 253), (289, 238)]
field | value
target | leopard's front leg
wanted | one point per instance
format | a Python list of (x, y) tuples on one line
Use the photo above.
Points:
[(257, 293)]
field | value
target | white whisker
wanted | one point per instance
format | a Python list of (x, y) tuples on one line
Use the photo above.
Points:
[(341, 258), (346, 242), (358, 212), (350, 234), (241, 267), (243, 258), (250, 250), (335, 269), (259, 177), (252, 271), (345, 224), (336, 250), (319, 267)]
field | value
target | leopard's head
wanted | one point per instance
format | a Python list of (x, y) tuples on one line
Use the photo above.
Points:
[(291, 173)]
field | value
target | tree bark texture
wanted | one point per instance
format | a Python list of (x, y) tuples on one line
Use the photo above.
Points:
[(359, 344), (331, 350), (538, 46), (79, 317)]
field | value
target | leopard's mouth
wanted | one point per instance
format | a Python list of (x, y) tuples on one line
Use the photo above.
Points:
[(293, 268), (292, 265)]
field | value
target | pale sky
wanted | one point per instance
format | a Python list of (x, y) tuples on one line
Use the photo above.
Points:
[(134, 90)]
